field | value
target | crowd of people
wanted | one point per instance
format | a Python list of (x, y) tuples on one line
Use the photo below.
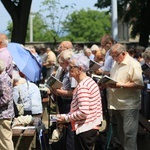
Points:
[(80, 100), (14, 89)]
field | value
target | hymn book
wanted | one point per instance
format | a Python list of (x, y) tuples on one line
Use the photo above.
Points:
[(107, 80), (93, 65), (53, 83)]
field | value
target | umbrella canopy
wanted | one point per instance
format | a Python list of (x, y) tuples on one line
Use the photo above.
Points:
[(25, 61)]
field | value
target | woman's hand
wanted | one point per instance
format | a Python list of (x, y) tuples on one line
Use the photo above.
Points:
[(61, 118)]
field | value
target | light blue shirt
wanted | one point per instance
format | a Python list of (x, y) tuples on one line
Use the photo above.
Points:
[(35, 96), (22, 91), (91, 57), (108, 62)]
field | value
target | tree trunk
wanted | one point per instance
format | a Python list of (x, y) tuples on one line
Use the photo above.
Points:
[(145, 26), (20, 15)]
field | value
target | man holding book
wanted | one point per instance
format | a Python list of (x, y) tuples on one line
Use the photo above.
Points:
[(124, 97)]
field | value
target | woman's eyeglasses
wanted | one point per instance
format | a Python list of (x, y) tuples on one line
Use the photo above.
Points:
[(71, 67)]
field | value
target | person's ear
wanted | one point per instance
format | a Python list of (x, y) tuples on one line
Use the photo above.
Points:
[(110, 43), (123, 53)]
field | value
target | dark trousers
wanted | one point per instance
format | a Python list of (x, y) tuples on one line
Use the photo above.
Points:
[(64, 108), (69, 138), (86, 140), (63, 105)]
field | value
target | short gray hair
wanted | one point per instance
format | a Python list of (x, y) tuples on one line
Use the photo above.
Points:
[(80, 60), (146, 54), (94, 47), (118, 48), (16, 76), (2, 66)]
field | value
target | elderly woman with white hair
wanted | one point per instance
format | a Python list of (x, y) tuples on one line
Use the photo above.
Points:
[(86, 110), (6, 109)]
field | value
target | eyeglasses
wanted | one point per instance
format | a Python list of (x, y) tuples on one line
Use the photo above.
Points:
[(71, 67), (59, 47), (104, 45), (116, 55)]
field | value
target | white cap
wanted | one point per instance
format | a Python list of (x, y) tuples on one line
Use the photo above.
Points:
[(94, 47)]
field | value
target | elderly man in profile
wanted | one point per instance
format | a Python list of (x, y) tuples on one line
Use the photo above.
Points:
[(64, 99), (50, 62), (124, 97), (64, 45), (6, 109), (106, 43)]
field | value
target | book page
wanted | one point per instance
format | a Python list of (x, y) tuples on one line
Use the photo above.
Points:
[(148, 86), (96, 78), (23, 127), (94, 65), (53, 118)]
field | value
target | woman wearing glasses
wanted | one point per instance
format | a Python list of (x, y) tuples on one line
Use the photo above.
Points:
[(86, 110)]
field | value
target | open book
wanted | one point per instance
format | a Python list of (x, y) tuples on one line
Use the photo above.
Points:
[(53, 118), (94, 65), (53, 82), (146, 69), (96, 78), (107, 80)]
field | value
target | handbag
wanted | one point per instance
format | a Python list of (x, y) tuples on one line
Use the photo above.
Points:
[(19, 106)]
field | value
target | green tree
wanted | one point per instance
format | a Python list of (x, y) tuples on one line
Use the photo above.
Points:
[(135, 12), (19, 11), (56, 15), (41, 32), (87, 25)]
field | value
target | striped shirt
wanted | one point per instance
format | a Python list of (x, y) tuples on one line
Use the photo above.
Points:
[(86, 108)]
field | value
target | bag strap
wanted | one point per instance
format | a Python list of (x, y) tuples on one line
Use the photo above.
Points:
[(19, 98)]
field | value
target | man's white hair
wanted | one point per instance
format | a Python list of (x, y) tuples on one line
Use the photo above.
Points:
[(16, 76)]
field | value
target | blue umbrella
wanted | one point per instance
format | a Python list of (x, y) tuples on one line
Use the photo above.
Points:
[(25, 61)]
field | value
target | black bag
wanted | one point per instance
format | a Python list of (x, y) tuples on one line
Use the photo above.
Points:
[(18, 107), (15, 109)]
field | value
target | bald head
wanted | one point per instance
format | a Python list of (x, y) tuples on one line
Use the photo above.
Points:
[(3, 40), (64, 46)]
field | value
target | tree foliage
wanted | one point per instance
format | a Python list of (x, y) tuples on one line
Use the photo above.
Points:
[(19, 11), (56, 14), (40, 29), (135, 12), (87, 25)]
